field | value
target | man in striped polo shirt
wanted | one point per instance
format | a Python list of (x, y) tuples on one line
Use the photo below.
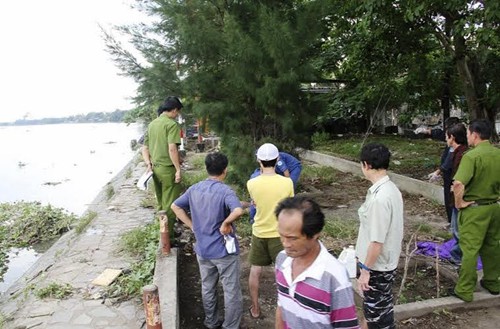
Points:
[(314, 290)]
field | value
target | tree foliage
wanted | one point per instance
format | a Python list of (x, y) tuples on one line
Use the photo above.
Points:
[(239, 65), (419, 53)]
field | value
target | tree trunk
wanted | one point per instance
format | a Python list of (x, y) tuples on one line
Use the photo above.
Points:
[(468, 80), (445, 96)]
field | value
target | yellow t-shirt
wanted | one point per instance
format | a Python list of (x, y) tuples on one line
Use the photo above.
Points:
[(267, 191)]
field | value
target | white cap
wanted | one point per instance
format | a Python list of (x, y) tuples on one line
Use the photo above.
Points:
[(267, 152)]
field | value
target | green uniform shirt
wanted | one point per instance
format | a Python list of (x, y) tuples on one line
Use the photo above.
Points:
[(161, 132), (479, 171)]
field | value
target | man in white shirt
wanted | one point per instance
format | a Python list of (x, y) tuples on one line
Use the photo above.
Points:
[(379, 239)]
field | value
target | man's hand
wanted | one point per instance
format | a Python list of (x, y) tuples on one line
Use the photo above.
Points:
[(178, 176), (363, 280), (225, 228), (245, 204), (459, 190), (463, 204), (434, 176)]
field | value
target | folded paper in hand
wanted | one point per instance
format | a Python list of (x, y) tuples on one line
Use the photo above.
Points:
[(230, 244), (143, 182)]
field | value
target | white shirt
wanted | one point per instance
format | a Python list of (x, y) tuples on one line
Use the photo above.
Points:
[(381, 220)]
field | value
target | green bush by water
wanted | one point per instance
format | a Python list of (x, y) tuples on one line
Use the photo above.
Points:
[(24, 224)]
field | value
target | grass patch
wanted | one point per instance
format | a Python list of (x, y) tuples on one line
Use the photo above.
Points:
[(55, 290), (191, 178), (429, 232), (84, 221), (128, 173), (197, 162), (322, 175), (408, 155), (150, 200), (110, 191), (342, 229), (141, 243)]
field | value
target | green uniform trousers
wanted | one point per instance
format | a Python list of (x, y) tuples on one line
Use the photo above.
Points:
[(167, 191), (479, 230)]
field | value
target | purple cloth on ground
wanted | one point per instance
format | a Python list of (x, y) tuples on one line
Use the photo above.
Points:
[(428, 248)]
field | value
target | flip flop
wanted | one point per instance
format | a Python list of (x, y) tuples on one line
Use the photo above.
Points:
[(251, 315)]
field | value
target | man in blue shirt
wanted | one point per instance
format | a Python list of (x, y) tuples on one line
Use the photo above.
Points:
[(289, 166), (213, 207)]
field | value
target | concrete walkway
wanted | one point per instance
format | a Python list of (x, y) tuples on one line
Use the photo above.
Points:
[(77, 260)]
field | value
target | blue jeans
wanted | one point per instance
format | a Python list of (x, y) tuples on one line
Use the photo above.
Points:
[(455, 252), (228, 270)]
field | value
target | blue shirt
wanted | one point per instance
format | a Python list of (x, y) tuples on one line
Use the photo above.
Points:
[(287, 161), (255, 173), (210, 202)]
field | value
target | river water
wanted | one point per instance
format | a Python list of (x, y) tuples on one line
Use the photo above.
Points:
[(65, 165)]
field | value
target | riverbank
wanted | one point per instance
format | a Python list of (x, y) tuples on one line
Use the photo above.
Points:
[(77, 259)]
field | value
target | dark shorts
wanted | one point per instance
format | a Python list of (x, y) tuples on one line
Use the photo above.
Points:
[(378, 304), (263, 251)]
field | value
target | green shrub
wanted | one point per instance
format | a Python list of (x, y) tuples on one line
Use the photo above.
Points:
[(26, 223), (84, 221), (141, 243), (319, 138), (55, 290)]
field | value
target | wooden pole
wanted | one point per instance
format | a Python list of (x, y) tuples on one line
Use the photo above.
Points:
[(164, 234), (151, 302)]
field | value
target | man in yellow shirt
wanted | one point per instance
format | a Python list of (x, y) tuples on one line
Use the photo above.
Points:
[(266, 190)]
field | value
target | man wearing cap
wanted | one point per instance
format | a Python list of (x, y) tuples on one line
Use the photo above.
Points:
[(267, 190), (288, 166), (162, 157)]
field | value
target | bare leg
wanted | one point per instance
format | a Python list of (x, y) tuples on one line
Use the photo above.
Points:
[(253, 286)]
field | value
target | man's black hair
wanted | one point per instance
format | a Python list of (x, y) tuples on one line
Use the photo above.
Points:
[(459, 132), (482, 127), (449, 122), (376, 155), (170, 103), (269, 163), (215, 163), (313, 219)]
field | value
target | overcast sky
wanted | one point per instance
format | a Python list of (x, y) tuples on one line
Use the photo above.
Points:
[(52, 58)]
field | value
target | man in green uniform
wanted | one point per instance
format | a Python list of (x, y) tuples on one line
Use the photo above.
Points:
[(477, 191), (162, 156)]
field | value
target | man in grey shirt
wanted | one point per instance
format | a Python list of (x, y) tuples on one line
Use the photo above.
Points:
[(379, 239)]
